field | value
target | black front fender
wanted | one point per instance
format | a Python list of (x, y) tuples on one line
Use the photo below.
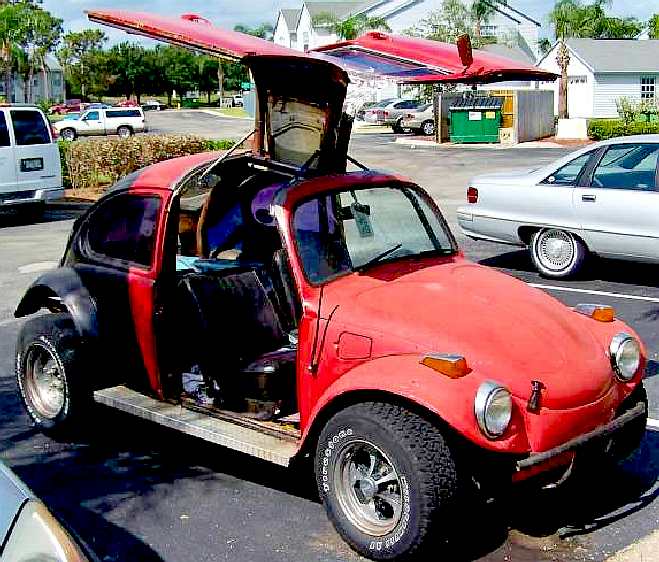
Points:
[(58, 291)]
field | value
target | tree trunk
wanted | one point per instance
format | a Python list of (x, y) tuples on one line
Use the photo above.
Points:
[(220, 81), (563, 60), (46, 77), (6, 58), (28, 86), (209, 96), (169, 98)]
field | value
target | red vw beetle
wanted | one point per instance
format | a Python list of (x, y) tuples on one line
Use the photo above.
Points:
[(294, 308)]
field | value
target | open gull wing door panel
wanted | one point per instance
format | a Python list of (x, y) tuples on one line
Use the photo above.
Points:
[(300, 96), (414, 60)]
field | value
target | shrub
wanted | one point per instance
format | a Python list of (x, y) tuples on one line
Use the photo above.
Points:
[(603, 129), (95, 163)]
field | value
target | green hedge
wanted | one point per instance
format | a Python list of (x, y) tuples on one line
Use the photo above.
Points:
[(603, 129), (97, 163)]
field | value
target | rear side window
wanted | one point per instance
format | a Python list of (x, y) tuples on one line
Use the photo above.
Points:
[(123, 113), (124, 228), (29, 128), (628, 166), (4, 131), (569, 174)]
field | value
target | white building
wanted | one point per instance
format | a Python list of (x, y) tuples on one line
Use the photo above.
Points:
[(603, 70), (295, 27)]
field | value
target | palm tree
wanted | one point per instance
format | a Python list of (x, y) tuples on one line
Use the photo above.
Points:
[(352, 27), (481, 12)]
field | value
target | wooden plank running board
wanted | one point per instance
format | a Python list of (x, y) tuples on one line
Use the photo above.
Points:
[(246, 440)]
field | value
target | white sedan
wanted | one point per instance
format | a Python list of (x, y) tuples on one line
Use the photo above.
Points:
[(602, 199)]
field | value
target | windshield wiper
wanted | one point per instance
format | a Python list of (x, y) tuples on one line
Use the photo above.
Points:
[(377, 258)]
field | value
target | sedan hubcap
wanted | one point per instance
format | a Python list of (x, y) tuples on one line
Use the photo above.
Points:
[(555, 249), (44, 382), (368, 488)]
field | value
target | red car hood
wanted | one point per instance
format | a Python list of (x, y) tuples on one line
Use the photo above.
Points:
[(507, 331)]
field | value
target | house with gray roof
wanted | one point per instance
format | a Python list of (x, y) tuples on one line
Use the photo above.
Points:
[(300, 29), (602, 71), (47, 84)]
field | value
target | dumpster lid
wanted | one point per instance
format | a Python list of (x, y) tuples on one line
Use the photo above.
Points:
[(485, 103)]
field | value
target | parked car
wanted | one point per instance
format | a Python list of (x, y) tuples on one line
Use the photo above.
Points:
[(127, 103), (237, 100), (66, 107), (30, 171), (390, 114), (420, 120), (95, 105), (601, 200), (327, 314), (120, 121), (71, 116), (153, 105), (28, 531), (361, 112)]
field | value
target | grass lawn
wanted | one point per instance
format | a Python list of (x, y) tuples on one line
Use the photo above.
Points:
[(232, 112)]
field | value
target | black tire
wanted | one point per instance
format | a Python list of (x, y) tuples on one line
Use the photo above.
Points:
[(125, 132), (68, 134), (566, 261), (423, 464), (428, 128), (54, 336)]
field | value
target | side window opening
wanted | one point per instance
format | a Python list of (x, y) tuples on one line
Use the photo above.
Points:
[(628, 166), (125, 228)]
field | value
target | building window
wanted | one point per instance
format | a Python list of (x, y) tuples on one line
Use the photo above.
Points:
[(489, 30), (293, 37), (648, 87), (305, 38)]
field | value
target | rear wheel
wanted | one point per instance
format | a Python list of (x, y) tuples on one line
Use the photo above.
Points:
[(387, 479), (397, 127), (68, 134), (124, 132), (428, 128), (49, 368), (557, 253)]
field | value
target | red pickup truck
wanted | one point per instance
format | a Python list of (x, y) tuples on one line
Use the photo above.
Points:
[(67, 106)]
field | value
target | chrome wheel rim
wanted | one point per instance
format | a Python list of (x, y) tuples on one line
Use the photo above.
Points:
[(68, 135), (428, 128), (44, 382), (124, 133), (555, 249), (368, 488)]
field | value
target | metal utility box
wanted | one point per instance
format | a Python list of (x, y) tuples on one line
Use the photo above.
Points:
[(476, 119)]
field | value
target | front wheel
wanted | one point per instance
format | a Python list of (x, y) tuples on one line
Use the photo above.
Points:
[(387, 479), (557, 253), (49, 368), (68, 134)]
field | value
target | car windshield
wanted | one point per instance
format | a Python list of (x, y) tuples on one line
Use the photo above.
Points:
[(353, 230)]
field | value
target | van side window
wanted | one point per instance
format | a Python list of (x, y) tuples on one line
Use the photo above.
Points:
[(4, 131), (29, 128), (124, 228)]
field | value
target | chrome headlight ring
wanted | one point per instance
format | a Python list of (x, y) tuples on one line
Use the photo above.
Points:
[(625, 355), (493, 407)]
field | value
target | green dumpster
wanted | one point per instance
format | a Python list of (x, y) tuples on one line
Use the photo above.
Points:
[(476, 119)]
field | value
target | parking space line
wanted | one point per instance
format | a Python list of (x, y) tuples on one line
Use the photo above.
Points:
[(653, 424), (596, 293)]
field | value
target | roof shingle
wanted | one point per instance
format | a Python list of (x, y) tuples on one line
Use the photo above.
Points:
[(617, 55)]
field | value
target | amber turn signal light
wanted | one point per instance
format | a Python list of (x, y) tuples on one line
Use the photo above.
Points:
[(599, 312), (453, 366)]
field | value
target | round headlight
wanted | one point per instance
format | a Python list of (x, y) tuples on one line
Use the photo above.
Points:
[(625, 353), (493, 408)]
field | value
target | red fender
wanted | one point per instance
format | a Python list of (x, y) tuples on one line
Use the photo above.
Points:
[(452, 400)]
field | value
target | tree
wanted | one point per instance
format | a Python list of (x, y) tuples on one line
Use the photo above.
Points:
[(13, 33), (264, 31), (177, 70), (446, 24), (481, 12), (352, 27), (573, 19), (653, 26), (78, 53), (131, 68)]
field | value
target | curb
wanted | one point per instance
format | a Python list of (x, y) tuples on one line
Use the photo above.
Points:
[(68, 206), (218, 114), (645, 550)]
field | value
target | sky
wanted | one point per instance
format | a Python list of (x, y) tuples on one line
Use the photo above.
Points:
[(227, 13)]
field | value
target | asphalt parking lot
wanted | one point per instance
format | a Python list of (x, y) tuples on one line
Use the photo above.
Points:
[(136, 492)]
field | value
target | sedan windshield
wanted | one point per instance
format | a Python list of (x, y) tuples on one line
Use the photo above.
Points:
[(355, 230)]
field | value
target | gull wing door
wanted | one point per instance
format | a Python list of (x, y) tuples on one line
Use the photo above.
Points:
[(299, 96), (415, 60)]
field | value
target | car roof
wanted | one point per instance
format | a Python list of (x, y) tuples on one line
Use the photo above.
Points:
[(631, 139)]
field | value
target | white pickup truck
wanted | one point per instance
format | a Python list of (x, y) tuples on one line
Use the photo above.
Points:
[(122, 121)]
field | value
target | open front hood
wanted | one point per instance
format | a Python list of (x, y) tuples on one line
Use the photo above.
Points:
[(414, 60)]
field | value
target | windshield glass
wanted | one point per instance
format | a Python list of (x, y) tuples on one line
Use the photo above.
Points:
[(354, 230)]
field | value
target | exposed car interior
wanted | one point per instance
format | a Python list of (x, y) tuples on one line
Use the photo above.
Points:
[(236, 308)]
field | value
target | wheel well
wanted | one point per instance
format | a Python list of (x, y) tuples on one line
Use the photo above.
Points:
[(38, 298), (525, 234), (360, 396)]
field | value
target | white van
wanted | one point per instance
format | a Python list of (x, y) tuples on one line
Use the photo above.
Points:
[(30, 169)]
